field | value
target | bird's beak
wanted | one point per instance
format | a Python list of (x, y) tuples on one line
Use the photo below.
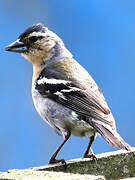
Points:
[(17, 46)]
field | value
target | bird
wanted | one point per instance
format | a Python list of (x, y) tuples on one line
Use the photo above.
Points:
[(64, 93)]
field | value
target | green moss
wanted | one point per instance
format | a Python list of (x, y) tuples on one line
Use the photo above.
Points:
[(114, 165), (120, 164)]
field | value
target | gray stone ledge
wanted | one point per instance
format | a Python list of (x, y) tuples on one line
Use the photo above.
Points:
[(113, 165)]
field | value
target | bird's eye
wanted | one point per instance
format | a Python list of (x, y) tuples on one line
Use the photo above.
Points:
[(33, 39)]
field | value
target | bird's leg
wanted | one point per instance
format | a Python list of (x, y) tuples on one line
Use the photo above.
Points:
[(86, 154), (53, 158)]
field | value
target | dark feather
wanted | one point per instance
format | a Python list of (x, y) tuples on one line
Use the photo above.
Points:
[(84, 101), (73, 98), (34, 28)]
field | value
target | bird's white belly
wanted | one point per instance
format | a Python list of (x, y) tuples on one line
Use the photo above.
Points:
[(60, 118)]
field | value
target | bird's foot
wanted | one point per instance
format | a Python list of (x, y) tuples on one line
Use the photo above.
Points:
[(91, 156), (53, 161)]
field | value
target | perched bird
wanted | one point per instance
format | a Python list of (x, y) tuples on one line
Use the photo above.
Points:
[(64, 94)]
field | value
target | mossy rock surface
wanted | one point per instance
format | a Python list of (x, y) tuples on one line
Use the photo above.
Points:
[(114, 165)]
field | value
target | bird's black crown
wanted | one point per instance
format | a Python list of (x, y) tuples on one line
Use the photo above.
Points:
[(34, 28)]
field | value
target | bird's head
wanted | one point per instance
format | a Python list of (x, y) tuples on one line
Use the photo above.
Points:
[(38, 45)]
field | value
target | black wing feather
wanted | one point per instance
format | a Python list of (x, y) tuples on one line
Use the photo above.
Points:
[(73, 98)]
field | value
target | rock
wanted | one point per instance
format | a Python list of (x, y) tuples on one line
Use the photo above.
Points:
[(113, 165), (45, 175)]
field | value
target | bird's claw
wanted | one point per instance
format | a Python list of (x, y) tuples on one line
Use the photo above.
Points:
[(53, 161), (91, 156)]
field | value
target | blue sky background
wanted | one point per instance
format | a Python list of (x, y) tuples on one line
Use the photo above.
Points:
[(101, 36)]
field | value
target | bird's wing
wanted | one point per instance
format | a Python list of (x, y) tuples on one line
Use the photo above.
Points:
[(73, 96), (71, 86)]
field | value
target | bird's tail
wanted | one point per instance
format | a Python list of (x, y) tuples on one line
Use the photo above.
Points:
[(111, 136)]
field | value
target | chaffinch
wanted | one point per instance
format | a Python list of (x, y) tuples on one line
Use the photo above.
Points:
[(64, 93)]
